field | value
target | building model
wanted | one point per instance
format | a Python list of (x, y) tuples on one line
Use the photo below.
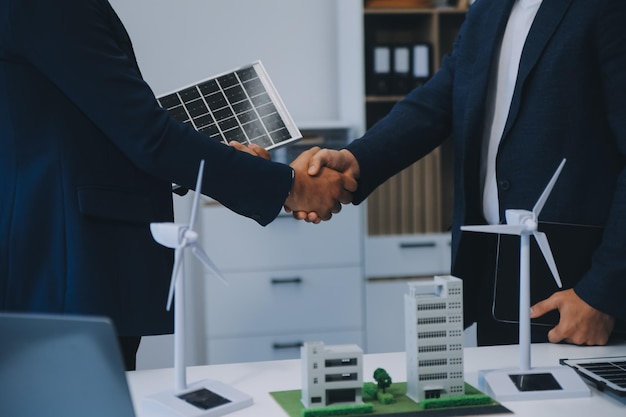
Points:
[(434, 338), (331, 374)]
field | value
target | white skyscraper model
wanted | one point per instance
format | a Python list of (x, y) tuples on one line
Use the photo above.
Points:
[(434, 338), (331, 374)]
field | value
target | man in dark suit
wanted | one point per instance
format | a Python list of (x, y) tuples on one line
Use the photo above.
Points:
[(528, 83), (87, 159)]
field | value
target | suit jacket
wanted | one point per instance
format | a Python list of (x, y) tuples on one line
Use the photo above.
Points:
[(87, 158), (569, 102)]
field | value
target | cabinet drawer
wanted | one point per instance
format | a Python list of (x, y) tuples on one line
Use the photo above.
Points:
[(265, 348), (385, 327), (407, 255), (236, 243), (285, 301)]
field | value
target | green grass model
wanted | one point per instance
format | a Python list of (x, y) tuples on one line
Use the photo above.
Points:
[(473, 399)]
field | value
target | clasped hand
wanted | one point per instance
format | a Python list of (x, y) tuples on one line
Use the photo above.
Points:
[(324, 180)]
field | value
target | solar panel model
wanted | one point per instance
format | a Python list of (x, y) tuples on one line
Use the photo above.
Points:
[(241, 105), (606, 373)]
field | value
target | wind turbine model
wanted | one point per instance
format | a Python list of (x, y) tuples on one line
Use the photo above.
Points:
[(206, 398), (528, 383)]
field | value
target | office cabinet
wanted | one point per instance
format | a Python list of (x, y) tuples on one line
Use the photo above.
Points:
[(288, 283)]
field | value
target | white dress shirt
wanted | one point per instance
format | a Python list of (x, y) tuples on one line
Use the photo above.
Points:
[(499, 97)]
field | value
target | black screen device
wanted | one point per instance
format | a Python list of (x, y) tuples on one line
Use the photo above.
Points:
[(572, 248)]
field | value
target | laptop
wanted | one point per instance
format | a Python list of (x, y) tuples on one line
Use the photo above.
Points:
[(60, 365), (605, 373)]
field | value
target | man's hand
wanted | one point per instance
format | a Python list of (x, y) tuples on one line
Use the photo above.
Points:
[(342, 161), (321, 194), (252, 149), (579, 324)]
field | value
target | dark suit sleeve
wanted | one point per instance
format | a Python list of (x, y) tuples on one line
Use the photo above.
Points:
[(81, 47), (604, 286)]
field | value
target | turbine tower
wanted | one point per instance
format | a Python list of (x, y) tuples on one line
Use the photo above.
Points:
[(206, 398)]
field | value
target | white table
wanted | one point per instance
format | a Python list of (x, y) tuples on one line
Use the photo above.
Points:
[(259, 378)]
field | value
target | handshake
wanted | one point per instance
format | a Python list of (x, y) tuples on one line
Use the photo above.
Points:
[(324, 180)]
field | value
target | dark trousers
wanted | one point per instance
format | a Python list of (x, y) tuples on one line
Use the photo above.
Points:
[(128, 347)]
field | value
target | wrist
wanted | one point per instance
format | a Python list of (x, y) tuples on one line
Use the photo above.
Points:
[(291, 193)]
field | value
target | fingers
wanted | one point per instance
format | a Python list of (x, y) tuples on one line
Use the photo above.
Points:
[(252, 149), (543, 307), (556, 335), (259, 151), (579, 323), (318, 161), (304, 158), (341, 161), (350, 183)]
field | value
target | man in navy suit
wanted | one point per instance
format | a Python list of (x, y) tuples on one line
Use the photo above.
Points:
[(87, 159), (528, 83)]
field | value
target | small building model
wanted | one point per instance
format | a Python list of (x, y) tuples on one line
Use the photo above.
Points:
[(434, 338), (331, 374)]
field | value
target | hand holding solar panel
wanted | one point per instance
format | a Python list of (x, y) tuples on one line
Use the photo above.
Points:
[(242, 105)]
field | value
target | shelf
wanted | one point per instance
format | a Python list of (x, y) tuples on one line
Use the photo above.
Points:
[(419, 199), (383, 99), (413, 10)]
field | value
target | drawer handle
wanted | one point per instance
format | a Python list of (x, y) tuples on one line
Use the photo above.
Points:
[(407, 245), (289, 345), (294, 280)]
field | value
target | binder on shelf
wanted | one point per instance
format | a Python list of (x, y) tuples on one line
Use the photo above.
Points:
[(423, 4), (421, 64), (380, 71), (401, 79), (396, 69)]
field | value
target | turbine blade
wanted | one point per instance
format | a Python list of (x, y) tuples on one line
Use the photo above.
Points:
[(178, 259), (196, 197), (542, 241), (208, 263), (546, 193), (501, 229)]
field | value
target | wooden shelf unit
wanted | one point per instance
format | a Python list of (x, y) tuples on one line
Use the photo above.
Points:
[(419, 199)]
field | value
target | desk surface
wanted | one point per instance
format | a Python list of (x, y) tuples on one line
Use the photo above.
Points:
[(259, 378)]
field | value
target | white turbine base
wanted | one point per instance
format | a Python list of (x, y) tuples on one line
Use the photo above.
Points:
[(497, 383), (169, 404)]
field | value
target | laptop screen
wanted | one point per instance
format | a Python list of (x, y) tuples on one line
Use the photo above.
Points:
[(53, 365)]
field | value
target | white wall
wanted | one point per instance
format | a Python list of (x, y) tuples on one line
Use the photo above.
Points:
[(179, 42)]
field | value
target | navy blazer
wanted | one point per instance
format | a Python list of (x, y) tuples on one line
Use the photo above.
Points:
[(87, 158), (569, 102)]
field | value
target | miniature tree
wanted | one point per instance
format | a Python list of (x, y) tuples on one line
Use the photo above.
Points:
[(382, 379)]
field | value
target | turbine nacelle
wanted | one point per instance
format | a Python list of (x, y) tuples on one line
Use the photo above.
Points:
[(182, 236), (520, 221), (172, 235), (521, 217)]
